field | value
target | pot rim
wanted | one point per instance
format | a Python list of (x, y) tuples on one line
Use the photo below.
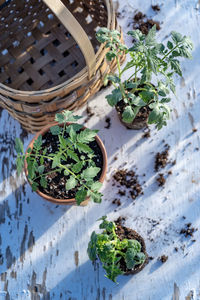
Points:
[(69, 201)]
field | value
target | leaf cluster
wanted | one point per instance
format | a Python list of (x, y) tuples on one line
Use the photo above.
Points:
[(74, 157), (110, 250), (147, 58)]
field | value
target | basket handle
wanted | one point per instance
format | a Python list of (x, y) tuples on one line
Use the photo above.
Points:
[(75, 29)]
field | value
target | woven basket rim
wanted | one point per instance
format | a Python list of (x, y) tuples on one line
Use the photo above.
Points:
[(83, 73)]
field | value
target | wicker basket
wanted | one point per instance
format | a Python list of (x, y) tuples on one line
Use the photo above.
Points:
[(50, 59)]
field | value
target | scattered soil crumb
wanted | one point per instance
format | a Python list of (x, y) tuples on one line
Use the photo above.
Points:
[(188, 230), (122, 192), (163, 258), (155, 7), (184, 217), (108, 121), (141, 22), (89, 113), (162, 158), (161, 180), (146, 133), (120, 220), (194, 130), (115, 158), (170, 172), (117, 202), (129, 179), (151, 257), (176, 249)]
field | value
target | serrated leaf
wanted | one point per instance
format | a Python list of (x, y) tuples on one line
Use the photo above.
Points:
[(128, 114), (146, 96), (114, 97), (19, 146), (114, 78), (71, 183), (132, 258), (161, 93), (137, 35), (175, 65), (176, 37), (150, 38), (38, 143), (41, 169), (77, 167), (20, 164), (55, 130), (137, 101), (80, 196), (86, 136), (90, 173), (95, 196), (73, 155), (56, 162), (72, 134), (84, 148), (34, 186), (43, 182), (66, 116), (96, 186), (169, 45)]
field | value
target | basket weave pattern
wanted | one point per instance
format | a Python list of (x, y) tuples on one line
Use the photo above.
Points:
[(42, 68)]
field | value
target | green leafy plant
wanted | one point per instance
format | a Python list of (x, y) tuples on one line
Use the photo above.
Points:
[(147, 58), (110, 250), (74, 158)]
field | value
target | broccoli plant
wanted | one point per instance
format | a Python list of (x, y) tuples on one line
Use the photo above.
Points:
[(111, 250), (74, 158), (147, 58)]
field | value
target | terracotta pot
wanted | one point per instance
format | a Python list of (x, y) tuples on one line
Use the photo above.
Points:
[(140, 239), (71, 201)]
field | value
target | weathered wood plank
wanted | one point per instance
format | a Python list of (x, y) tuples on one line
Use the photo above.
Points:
[(43, 246)]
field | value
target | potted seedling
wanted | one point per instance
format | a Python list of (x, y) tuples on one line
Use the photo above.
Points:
[(65, 162), (142, 98), (121, 250)]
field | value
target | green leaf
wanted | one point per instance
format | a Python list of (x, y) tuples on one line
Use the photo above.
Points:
[(128, 114), (41, 169), (30, 168), (114, 78), (73, 155), (34, 186), (71, 183), (169, 45), (91, 250), (161, 93), (20, 164), (154, 115), (38, 143), (90, 173), (86, 136), (55, 130), (175, 65), (137, 101), (110, 55), (77, 167), (80, 196), (19, 146), (132, 258), (72, 134), (43, 182), (56, 162), (176, 37), (137, 35), (66, 116), (96, 186), (134, 244), (95, 196), (115, 97), (84, 148), (150, 38), (147, 96)]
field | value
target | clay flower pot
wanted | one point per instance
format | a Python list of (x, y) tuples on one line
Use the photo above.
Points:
[(71, 201)]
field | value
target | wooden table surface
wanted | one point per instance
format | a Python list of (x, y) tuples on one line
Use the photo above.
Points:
[(43, 245)]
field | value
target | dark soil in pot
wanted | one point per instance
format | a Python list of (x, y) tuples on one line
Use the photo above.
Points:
[(128, 233), (56, 181), (140, 120)]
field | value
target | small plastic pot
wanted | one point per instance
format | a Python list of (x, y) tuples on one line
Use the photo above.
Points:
[(71, 201)]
